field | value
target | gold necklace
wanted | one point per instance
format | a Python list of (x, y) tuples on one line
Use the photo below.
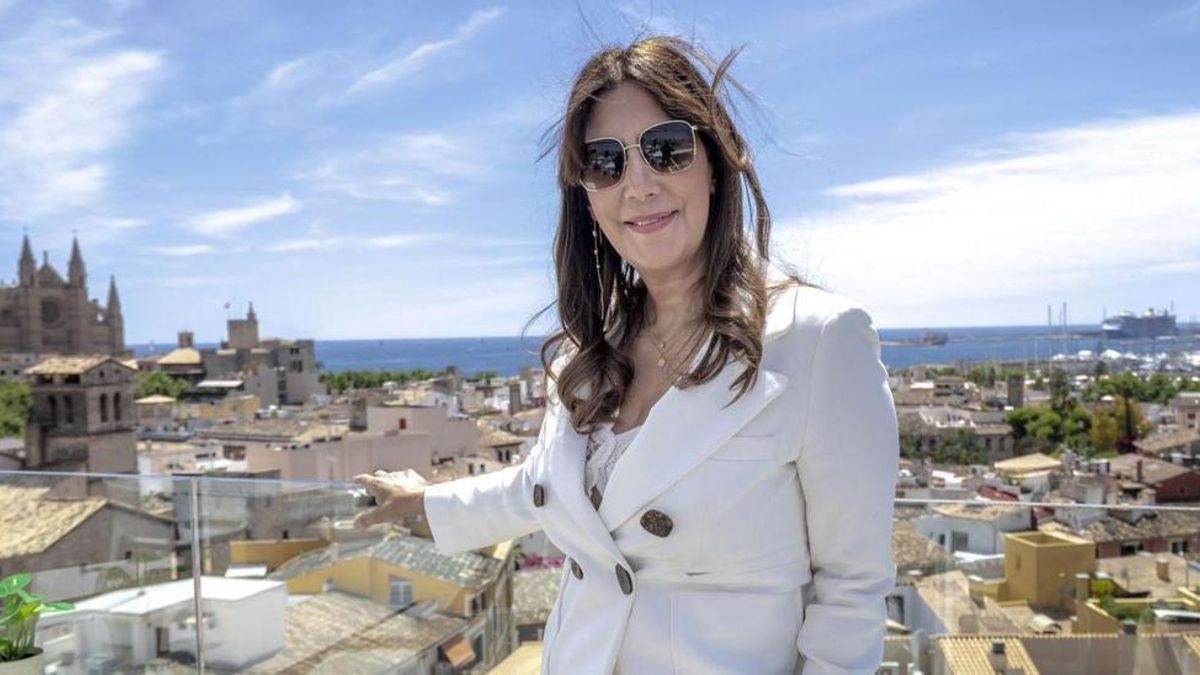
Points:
[(661, 346)]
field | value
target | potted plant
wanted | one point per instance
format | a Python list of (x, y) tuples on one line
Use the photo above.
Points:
[(19, 611)]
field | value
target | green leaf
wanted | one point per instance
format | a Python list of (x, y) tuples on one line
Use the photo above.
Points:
[(10, 615), (58, 607), (26, 596), (12, 584)]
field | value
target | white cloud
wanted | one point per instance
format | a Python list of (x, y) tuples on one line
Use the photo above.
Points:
[(412, 61), (286, 74), (304, 244), (70, 98), (1030, 219), (181, 250), (227, 221), (394, 240), (414, 168)]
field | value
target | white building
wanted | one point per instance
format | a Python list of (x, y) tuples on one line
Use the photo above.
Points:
[(973, 528), (243, 623)]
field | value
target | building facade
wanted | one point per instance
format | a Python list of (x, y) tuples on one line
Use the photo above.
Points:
[(43, 313)]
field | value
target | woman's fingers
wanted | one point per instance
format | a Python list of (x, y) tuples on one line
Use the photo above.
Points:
[(366, 519)]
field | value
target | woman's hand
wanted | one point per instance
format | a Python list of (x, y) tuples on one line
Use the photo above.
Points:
[(397, 494)]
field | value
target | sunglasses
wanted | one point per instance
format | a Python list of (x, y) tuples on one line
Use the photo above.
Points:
[(667, 147)]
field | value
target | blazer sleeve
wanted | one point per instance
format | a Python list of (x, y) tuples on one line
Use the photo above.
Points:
[(847, 465), (478, 511)]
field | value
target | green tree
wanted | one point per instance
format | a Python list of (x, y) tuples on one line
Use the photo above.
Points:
[(1116, 427), (1036, 428), (16, 399), (1060, 392), (151, 383)]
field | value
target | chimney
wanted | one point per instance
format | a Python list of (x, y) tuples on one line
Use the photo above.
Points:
[(997, 659), (968, 623), (1082, 589), (1162, 569), (514, 397)]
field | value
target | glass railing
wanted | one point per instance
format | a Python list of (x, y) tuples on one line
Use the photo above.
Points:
[(176, 574)]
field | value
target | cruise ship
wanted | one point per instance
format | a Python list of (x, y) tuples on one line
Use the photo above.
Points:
[(1147, 325)]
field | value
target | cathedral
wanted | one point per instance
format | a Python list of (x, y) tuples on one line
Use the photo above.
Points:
[(43, 313)]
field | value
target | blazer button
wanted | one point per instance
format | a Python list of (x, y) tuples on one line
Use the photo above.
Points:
[(594, 495), (657, 523), (576, 569), (539, 495), (624, 580)]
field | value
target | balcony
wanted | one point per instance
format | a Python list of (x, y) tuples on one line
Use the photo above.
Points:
[(170, 574)]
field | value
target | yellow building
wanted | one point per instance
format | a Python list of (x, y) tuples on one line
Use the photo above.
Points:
[(400, 571), (1040, 567)]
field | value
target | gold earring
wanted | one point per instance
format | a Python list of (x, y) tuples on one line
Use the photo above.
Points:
[(599, 276)]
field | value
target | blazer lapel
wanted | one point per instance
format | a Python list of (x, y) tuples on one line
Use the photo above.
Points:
[(565, 465), (683, 427)]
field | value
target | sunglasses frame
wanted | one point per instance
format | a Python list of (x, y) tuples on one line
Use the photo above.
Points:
[(625, 153)]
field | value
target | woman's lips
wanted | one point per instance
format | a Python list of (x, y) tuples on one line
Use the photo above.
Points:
[(652, 223)]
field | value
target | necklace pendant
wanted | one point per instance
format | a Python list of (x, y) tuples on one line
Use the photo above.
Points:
[(662, 362)]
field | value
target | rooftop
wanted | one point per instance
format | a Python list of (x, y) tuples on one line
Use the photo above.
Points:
[(968, 654), (1154, 471), (1026, 463), (468, 569), (341, 633), (70, 365), (32, 520)]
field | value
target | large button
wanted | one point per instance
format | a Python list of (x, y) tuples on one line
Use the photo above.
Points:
[(657, 523), (539, 495), (594, 495), (576, 569), (624, 580)]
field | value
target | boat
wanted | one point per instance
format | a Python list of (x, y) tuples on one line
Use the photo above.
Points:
[(1149, 324)]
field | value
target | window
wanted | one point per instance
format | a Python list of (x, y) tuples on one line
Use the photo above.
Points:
[(1132, 548), (399, 592), (1179, 546), (958, 541), (68, 410), (103, 407), (117, 406)]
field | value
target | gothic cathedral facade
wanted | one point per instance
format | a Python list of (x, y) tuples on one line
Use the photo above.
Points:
[(46, 314)]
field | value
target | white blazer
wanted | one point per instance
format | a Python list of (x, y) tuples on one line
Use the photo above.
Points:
[(752, 538)]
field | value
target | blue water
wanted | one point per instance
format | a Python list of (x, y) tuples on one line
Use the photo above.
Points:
[(506, 355)]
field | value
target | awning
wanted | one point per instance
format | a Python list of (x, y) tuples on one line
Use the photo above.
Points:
[(458, 651)]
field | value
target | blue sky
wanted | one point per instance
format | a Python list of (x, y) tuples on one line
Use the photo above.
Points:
[(943, 163)]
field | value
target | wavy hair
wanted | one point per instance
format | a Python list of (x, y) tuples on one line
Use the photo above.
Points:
[(735, 297)]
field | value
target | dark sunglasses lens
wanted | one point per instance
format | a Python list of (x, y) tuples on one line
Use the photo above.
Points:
[(669, 147), (603, 163)]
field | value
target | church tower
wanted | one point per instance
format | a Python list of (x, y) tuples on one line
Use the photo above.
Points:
[(114, 319), (77, 271), (27, 272)]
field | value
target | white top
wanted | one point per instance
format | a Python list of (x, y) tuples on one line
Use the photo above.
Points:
[(604, 448)]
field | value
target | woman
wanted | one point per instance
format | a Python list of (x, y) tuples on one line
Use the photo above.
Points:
[(719, 452)]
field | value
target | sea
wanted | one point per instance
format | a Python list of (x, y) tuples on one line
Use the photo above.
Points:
[(507, 355)]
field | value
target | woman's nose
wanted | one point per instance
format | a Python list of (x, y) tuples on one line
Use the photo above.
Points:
[(640, 181)]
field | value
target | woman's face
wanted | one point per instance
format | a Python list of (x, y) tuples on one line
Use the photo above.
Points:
[(656, 222)]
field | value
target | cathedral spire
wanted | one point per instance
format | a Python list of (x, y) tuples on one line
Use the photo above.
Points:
[(76, 270), (27, 270), (114, 302), (251, 316)]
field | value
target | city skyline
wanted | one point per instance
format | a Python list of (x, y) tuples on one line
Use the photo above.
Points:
[(319, 164)]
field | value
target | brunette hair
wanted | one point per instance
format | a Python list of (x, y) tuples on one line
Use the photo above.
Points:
[(594, 379)]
